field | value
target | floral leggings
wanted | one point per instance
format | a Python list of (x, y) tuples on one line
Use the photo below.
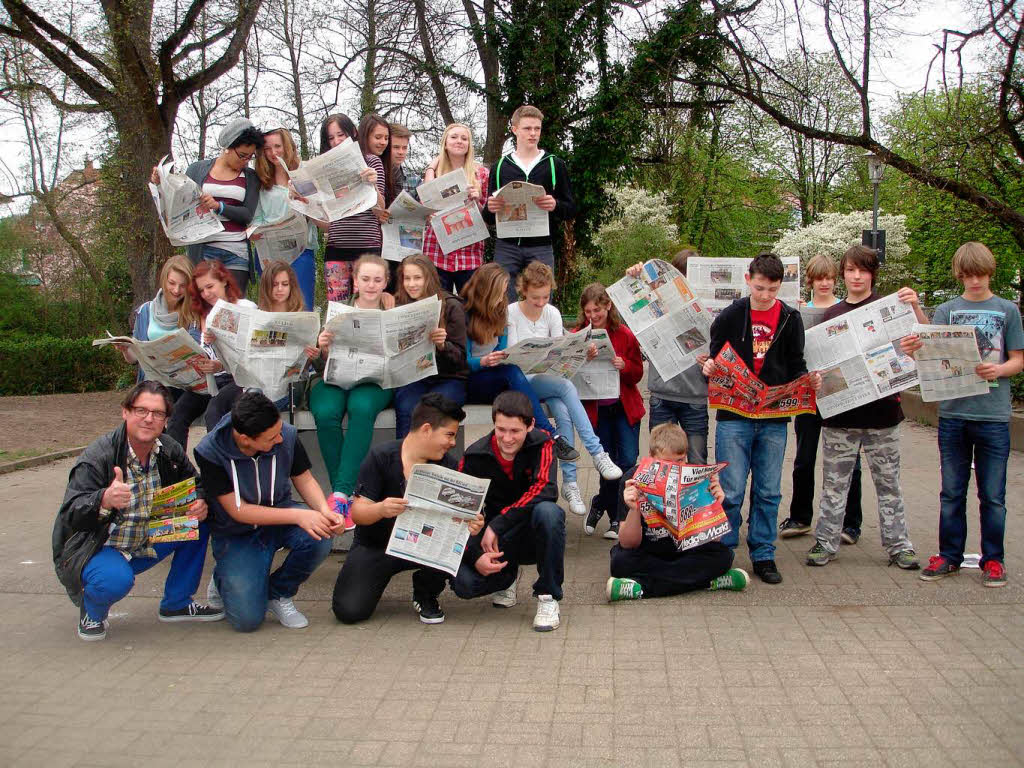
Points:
[(338, 279)]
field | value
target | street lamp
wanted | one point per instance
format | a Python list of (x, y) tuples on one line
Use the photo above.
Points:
[(875, 237)]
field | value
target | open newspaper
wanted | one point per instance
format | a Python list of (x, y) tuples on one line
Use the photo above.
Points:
[(521, 217), (434, 528), (811, 316), (402, 234), (177, 206), (390, 348), (171, 360), (720, 281), (332, 185), (735, 388), (676, 502), (169, 518), (858, 355), (672, 326), (946, 362), (559, 356), (598, 379), (284, 240), (458, 222), (262, 350)]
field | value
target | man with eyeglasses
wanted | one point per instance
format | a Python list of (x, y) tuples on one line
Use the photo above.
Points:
[(110, 491)]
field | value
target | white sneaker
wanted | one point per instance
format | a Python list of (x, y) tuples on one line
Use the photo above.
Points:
[(605, 466), (213, 598), (284, 610), (506, 598), (547, 614), (571, 493)]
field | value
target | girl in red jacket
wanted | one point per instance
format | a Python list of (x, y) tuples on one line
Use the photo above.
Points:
[(616, 422)]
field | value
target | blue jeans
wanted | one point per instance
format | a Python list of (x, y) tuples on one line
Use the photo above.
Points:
[(487, 383), (109, 577), (513, 258), (988, 442), (408, 396), (243, 572), (237, 265), (692, 418), (757, 449), (563, 400), (622, 441)]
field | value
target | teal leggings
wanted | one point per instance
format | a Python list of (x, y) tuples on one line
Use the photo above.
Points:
[(329, 403)]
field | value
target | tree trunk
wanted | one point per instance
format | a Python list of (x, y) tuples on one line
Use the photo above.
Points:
[(368, 95)]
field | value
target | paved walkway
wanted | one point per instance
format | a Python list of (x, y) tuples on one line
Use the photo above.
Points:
[(852, 664)]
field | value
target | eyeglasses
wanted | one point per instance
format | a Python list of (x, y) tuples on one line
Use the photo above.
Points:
[(244, 158), (142, 413)]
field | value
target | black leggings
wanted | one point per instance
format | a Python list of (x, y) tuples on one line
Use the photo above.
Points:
[(192, 405), (364, 577)]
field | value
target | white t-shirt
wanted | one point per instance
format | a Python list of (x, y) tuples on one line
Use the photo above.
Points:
[(520, 327)]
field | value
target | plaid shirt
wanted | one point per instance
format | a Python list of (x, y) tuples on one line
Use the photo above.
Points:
[(470, 257), (131, 535), (407, 182)]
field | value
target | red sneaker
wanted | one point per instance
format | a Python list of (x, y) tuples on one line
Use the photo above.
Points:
[(938, 568), (995, 574)]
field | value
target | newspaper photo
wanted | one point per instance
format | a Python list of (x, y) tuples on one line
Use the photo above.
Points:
[(946, 362), (402, 233), (598, 379), (170, 360), (676, 502), (734, 387), (284, 240), (169, 518), (177, 205), (858, 355), (988, 328), (390, 348), (262, 350), (521, 216), (434, 528), (559, 356), (670, 323), (331, 184), (458, 222), (718, 282)]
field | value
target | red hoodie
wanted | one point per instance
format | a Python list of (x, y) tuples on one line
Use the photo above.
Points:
[(626, 347)]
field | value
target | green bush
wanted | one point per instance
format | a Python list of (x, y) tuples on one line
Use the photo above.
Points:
[(41, 365), (1017, 388)]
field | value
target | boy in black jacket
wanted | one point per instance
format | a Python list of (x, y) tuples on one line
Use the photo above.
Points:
[(523, 524), (769, 336)]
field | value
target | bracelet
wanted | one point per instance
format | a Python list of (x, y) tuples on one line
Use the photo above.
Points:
[(221, 208)]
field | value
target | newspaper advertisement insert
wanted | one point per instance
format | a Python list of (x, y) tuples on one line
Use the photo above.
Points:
[(946, 362), (169, 518), (676, 502), (734, 387), (171, 360), (177, 205), (521, 216)]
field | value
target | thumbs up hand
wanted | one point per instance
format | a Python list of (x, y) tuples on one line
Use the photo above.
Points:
[(118, 493)]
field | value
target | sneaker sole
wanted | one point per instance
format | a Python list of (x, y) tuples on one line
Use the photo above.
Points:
[(547, 627), (791, 533), (821, 561), (289, 626), (588, 530), (925, 576), (432, 620), (746, 582), (911, 567), (175, 619), (92, 638), (610, 535)]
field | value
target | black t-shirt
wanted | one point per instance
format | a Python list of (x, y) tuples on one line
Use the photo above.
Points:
[(217, 479), (381, 476)]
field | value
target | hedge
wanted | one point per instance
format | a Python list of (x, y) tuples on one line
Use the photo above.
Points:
[(44, 365)]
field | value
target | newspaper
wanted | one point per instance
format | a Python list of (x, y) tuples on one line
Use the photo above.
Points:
[(170, 360), (598, 379), (720, 281), (946, 362), (331, 184), (559, 356), (177, 206), (676, 502), (521, 217), (434, 528), (391, 348), (262, 350), (670, 323), (859, 357), (811, 316), (735, 388), (284, 240), (458, 222), (169, 518), (403, 232)]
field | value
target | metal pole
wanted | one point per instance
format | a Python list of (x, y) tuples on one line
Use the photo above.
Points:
[(874, 215)]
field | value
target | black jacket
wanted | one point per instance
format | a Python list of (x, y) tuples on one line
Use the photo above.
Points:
[(784, 360), (451, 360), (506, 170)]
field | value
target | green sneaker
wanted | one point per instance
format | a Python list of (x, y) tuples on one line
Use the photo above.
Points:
[(818, 555), (735, 580), (623, 589), (907, 560)]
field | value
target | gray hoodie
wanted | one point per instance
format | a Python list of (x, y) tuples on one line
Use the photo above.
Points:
[(690, 386)]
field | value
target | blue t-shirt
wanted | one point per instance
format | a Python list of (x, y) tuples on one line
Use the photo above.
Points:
[(997, 325)]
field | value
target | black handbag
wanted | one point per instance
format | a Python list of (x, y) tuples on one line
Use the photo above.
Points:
[(79, 550)]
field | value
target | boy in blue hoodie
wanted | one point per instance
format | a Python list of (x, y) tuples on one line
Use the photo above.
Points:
[(249, 463)]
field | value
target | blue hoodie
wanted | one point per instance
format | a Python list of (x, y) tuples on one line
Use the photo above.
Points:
[(263, 479)]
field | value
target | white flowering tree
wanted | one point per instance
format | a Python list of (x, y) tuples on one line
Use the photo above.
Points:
[(640, 227)]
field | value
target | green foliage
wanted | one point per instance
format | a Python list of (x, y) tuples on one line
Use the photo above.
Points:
[(38, 364), (91, 312)]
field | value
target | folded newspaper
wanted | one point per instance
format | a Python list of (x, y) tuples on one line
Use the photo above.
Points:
[(331, 184), (391, 348), (598, 379), (676, 501), (521, 217), (558, 356), (735, 388), (720, 281), (403, 232), (458, 222), (946, 362), (284, 240), (169, 518), (262, 350), (670, 323), (171, 360), (434, 528), (177, 205)]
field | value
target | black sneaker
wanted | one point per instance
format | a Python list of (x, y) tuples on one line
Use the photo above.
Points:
[(790, 528), (767, 572), (850, 535), (613, 531), (593, 518), (192, 612), (429, 609), (564, 450), (90, 629)]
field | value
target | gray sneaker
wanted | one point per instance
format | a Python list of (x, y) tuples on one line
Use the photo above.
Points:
[(818, 555), (506, 598), (284, 610), (907, 560)]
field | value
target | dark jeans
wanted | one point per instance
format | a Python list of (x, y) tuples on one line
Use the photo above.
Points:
[(988, 443), (408, 396), (513, 259), (237, 265), (692, 418), (487, 383), (191, 405), (807, 427), (455, 282), (622, 442), (540, 540), (364, 577), (680, 572)]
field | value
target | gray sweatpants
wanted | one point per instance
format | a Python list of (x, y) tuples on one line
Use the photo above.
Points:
[(881, 449)]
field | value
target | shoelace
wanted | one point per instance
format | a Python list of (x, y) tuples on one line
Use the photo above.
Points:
[(287, 607), (90, 623), (547, 608)]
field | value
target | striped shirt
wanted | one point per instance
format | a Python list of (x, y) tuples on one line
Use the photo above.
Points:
[(363, 229), (230, 193)]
